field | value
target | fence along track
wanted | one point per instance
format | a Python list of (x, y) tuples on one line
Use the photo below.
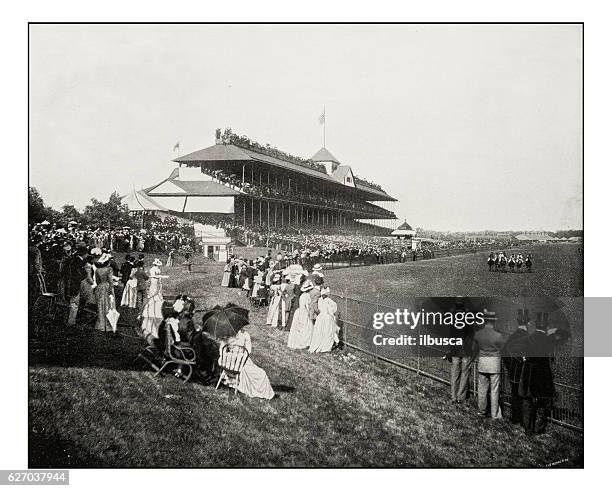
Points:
[(355, 317)]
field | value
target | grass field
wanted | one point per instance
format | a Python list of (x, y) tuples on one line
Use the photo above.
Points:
[(92, 406), (557, 272)]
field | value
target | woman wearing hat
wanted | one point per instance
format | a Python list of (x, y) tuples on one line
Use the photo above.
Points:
[(105, 297), (276, 310), (325, 330), (301, 327), (152, 310)]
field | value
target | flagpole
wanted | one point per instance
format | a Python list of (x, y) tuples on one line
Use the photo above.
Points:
[(324, 123)]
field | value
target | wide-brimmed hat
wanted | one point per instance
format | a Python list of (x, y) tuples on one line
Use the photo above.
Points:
[(325, 290), (157, 262), (317, 267), (96, 251), (307, 286), (489, 316)]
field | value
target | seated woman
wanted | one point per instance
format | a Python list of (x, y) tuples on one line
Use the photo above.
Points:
[(325, 330), (253, 380)]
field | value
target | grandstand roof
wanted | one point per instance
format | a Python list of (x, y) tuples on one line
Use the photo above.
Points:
[(324, 155), (139, 201), (173, 186), (229, 152)]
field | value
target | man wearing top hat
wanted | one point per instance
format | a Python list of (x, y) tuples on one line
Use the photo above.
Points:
[(490, 343), (514, 354), (536, 387)]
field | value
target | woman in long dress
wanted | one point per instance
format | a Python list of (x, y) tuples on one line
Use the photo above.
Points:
[(253, 380), (276, 311), (105, 297), (88, 283), (129, 292), (227, 272), (301, 327), (325, 330), (152, 309)]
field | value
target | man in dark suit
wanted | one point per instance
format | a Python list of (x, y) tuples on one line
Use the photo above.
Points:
[(126, 268), (514, 354), (536, 387), (76, 274)]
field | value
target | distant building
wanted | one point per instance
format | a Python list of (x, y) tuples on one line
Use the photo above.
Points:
[(536, 237)]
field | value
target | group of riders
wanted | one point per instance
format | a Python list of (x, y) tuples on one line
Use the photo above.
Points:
[(498, 261)]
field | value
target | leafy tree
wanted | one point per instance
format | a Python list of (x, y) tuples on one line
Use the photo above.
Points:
[(37, 210), (106, 215), (70, 213)]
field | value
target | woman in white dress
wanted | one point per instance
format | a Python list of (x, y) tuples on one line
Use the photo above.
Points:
[(128, 299), (301, 327), (325, 330), (227, 271), (152, 309), (253, 380), (276, 310)]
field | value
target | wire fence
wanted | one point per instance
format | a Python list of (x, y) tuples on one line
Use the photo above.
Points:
[(355, 319)]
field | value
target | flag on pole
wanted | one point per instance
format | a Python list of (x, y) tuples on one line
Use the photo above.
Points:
[(322, 117), (176, 146)]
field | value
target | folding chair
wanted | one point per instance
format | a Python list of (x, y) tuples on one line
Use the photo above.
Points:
[(183, 357), (232, 361)]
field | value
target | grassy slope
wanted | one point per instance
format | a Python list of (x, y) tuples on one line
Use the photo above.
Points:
[(93, 407)]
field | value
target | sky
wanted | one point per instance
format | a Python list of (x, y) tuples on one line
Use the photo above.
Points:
[(470, 127)]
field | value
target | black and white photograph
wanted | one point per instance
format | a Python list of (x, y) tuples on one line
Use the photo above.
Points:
[(305, 245)]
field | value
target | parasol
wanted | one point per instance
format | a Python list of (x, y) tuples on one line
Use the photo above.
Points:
[(223, 322)]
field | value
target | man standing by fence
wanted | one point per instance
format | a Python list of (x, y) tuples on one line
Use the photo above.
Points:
[(490, 343), (461, 359)]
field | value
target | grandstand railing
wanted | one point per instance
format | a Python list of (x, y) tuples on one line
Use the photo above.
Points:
[(355, 319)]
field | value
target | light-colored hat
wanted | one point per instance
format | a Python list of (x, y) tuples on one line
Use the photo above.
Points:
[(157, 262), (317, 267), (276, 277), (307, 286), (178, 305), (103, 258), (325, 290), (96, 251)]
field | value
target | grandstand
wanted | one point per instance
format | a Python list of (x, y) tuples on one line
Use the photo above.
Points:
[(274, 190)]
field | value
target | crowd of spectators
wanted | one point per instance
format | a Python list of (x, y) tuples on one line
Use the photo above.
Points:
[(273, 192)]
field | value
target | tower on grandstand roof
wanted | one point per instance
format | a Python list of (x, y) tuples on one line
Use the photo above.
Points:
[(325, 157)]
